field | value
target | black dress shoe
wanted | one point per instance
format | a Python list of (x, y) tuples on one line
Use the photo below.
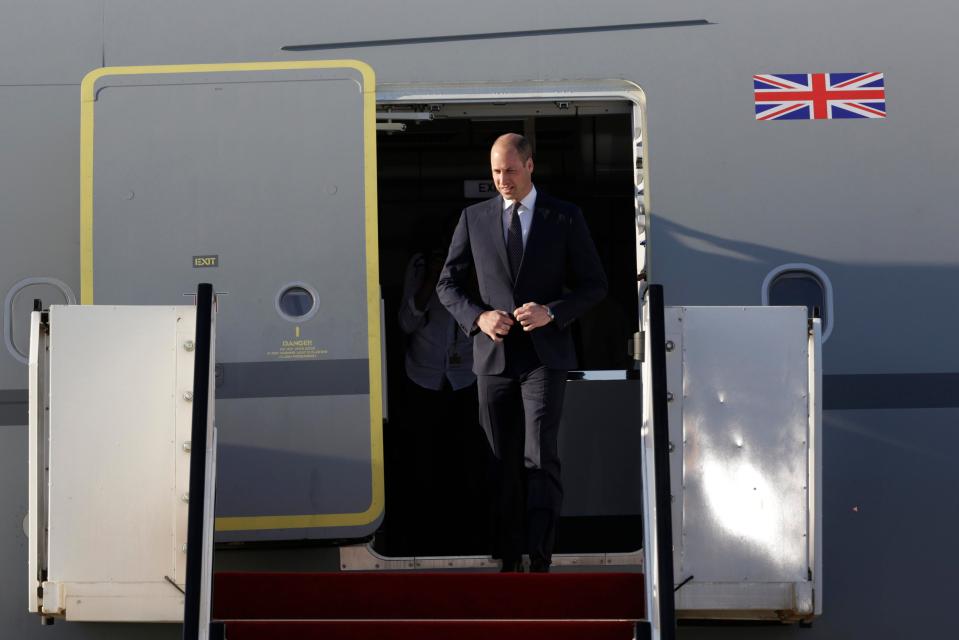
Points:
[(512, 566), (538, 566)]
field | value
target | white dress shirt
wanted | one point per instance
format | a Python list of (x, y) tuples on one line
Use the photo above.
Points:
[(526, 207)]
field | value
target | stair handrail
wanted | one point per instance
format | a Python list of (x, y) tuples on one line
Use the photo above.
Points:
[(662, 518), (196, 612)]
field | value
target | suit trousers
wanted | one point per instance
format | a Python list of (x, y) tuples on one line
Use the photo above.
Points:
[(520, 411)]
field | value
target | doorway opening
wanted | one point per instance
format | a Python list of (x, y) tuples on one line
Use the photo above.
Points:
[(433, 161)]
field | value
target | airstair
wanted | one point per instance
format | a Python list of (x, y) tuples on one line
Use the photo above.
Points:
[(123, 468)]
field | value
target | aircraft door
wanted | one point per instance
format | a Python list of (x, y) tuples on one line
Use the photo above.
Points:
[(259, 178)]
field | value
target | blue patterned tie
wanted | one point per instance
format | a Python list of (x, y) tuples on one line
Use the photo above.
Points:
[(514, 241)]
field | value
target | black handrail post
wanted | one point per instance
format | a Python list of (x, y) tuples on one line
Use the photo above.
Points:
[(660, 415), (198, 446)]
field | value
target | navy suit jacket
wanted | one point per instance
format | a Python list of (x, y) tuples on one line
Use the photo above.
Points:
[(560, 269)]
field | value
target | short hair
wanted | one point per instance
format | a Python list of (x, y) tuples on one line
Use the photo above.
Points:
[(519, 143)]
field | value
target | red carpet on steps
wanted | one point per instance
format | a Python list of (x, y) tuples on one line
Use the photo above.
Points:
[(427, 596), (431, 630)]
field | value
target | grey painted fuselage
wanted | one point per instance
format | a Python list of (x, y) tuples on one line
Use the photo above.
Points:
[(869, 202)]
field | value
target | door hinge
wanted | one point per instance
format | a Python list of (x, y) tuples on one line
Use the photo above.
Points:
[(636, 347)]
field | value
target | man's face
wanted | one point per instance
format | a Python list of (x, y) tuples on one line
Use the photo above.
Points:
[(513, 177)]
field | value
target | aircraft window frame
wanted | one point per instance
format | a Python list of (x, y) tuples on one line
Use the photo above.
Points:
[(810, 272), (8, 310), (290, 287)]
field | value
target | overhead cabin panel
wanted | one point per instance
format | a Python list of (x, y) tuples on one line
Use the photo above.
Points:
[(259, 178)]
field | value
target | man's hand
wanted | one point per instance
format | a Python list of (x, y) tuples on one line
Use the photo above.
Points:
[(495, 324), (532, 316)]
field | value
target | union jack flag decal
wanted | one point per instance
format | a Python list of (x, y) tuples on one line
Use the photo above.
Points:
[(819, 96)]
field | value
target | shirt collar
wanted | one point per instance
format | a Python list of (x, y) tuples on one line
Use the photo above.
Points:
[(529, 201)]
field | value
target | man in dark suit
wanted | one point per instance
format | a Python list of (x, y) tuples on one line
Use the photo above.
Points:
[(537, 271)]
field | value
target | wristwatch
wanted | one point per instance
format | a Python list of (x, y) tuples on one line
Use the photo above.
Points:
[(549, 312)]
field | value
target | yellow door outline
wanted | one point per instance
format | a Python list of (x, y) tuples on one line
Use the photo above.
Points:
[(88, 90)]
